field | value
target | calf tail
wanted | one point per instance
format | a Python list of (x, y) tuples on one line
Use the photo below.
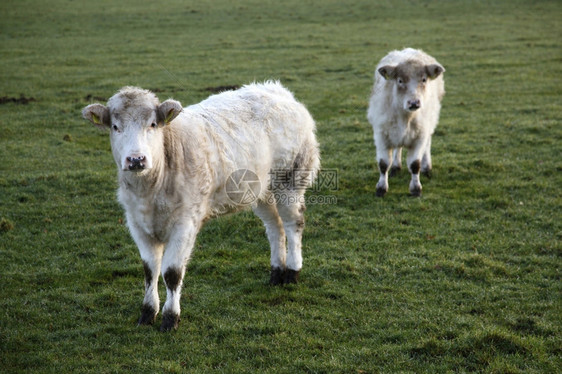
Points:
[(306, 165)]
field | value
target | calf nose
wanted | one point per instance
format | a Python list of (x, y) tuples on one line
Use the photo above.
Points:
[(136, 163), (414, 104)]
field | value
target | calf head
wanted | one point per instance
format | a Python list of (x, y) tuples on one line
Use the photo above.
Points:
[(135, 118), (410, 80)]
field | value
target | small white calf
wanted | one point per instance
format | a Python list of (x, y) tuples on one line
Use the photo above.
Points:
[(179, 167), (404, 111)]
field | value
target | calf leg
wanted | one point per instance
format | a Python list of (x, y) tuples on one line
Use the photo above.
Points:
[(426, 165), (384, 157), (151, 255), (414, 165), (396, 162), (292, 214), (150, 305), (276, 236), (174, 262)]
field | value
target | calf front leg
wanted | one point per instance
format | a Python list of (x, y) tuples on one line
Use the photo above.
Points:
[(150, 305), (384, 159), (276, 236), (414, 165), (176, 256), (292, 214), (151, 255)]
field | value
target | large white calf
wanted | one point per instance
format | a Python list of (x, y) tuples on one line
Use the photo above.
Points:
[(404, 111), (177, 167)]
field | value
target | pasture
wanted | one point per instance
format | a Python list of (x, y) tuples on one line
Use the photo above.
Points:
[(464, 279)]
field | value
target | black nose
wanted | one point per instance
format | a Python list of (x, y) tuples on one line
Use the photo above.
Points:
[(414, 104), (136, 163)]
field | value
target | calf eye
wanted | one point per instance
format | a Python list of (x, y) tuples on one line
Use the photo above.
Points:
[(115, 128), (153, 125), (424, 80)]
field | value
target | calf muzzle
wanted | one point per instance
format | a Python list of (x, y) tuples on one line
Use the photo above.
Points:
[(414, 104), (136, 163)]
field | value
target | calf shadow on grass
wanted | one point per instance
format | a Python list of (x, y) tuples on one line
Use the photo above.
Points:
[(17, 100)]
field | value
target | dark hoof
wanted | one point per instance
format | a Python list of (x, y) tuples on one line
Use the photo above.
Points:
[(148, 315), (394, 171), (380, 192), (277, 276), (170, 321), (416, 192), (291, 277), (427, 173)]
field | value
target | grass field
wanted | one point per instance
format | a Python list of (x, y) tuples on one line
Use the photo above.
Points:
[(464, 279)]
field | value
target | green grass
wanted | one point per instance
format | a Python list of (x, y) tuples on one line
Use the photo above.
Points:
[(465, 279)]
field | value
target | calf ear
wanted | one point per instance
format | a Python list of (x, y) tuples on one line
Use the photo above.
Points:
[(97, 114), (388, 72), (168, 110), (434, 70)]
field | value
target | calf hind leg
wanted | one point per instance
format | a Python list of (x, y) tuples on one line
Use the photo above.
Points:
[(426, 166), (396, 162)]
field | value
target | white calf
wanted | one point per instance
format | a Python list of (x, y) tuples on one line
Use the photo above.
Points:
[(180, 166), (404, 111)]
